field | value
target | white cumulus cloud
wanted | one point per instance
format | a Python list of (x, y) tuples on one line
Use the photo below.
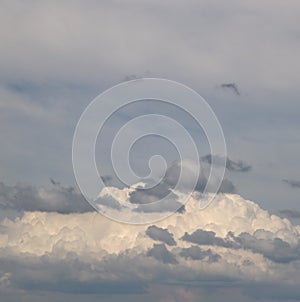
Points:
[(232, 240)]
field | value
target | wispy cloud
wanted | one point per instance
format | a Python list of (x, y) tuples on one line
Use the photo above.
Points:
[(292, 183)]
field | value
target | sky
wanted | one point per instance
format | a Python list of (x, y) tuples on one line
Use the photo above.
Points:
[(242, 57)]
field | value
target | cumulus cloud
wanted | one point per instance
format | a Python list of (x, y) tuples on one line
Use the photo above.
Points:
[(232, 240)]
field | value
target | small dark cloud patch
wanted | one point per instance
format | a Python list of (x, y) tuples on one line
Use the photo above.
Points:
[(161, 253), (236, 166), (233, 87), (248, 262), (161, 234), (196, 253), (109, 202), (107, 179), (227, 187), (292, 183), (54, 182), (181, 210), (150, 195), (203, 237)]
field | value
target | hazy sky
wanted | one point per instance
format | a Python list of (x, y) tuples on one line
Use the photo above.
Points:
[(56, 56)]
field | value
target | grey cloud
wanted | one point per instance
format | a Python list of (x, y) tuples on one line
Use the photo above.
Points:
[(181, 210), (161, 253), (232, 87), (274, 249), (56, 199), (227, 187), (236, 166), (149, 195), (239, 166), (56, 275), (106, 179), (109, 202), (292, 183), (203, 237), (196, 253), (146, 197), (173, 172), (160, 234)]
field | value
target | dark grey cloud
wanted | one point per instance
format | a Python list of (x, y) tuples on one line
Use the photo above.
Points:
[(236, 166), (55, 199), (109, 202), (274, 249), (181, 210), (203, 237), (196, 253), (146, 197), (232, 87), (107, 179), (173, 173), (227, 187), (161, 253), (160, 234), (292, 183), (149, 195)]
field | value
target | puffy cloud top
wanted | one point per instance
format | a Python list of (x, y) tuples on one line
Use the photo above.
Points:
[(232, 238)]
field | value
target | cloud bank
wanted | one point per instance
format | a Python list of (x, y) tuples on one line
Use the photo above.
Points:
[(233, 241)]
